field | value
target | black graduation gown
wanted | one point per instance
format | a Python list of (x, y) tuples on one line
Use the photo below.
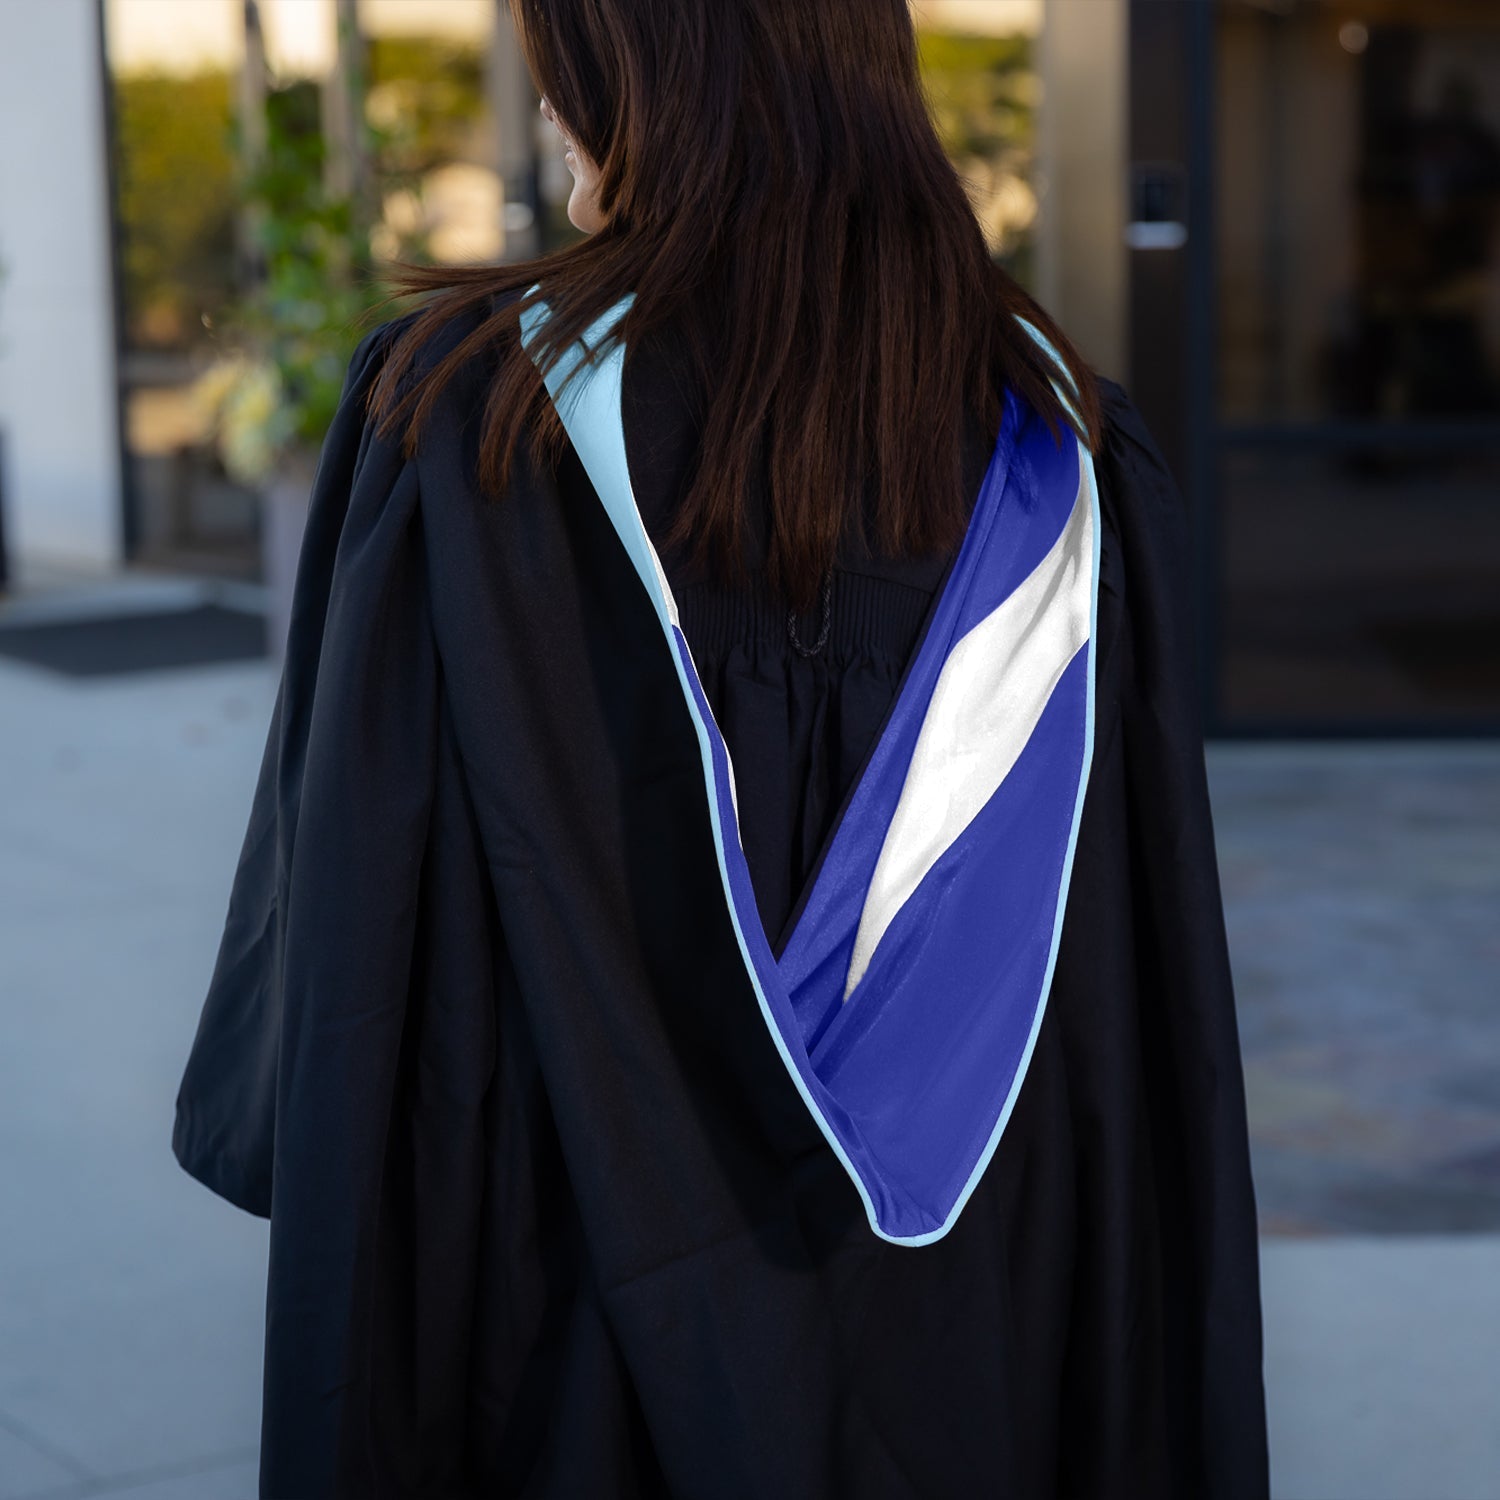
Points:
[(548, 1216)]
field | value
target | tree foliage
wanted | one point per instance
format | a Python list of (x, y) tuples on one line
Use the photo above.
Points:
[(983, 94), (175, 170)]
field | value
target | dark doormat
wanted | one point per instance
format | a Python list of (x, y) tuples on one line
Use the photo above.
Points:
[(146, 642)]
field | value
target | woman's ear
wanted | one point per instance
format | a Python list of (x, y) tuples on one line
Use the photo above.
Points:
[(583, 201)]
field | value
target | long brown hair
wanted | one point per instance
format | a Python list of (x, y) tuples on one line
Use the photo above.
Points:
[(772, 186)]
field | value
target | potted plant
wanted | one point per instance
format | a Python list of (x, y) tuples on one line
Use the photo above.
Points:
[(269, 399)]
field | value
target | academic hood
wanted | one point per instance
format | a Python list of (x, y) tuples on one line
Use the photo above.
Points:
[(906, 1003)]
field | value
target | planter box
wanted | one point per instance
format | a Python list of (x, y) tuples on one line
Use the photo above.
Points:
[(284, 505)]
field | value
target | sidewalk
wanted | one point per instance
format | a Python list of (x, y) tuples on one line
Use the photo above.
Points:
[(1362, 895), (131, 1298)]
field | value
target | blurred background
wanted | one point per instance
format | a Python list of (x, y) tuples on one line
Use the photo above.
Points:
[(1276, 222)]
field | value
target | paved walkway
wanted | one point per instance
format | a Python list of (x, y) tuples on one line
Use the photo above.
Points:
[(131, 1298), (1362, 893)]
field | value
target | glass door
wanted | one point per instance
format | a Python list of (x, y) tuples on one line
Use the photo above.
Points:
[(1355, 447)]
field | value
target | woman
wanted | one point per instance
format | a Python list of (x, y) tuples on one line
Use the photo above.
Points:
[(725, 990)]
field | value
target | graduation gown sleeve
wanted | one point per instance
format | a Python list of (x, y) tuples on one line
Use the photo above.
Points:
[(347, 1038), (1198, 1162), (225, 1122)]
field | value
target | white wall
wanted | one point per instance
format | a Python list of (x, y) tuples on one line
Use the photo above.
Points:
[(62, 482)]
